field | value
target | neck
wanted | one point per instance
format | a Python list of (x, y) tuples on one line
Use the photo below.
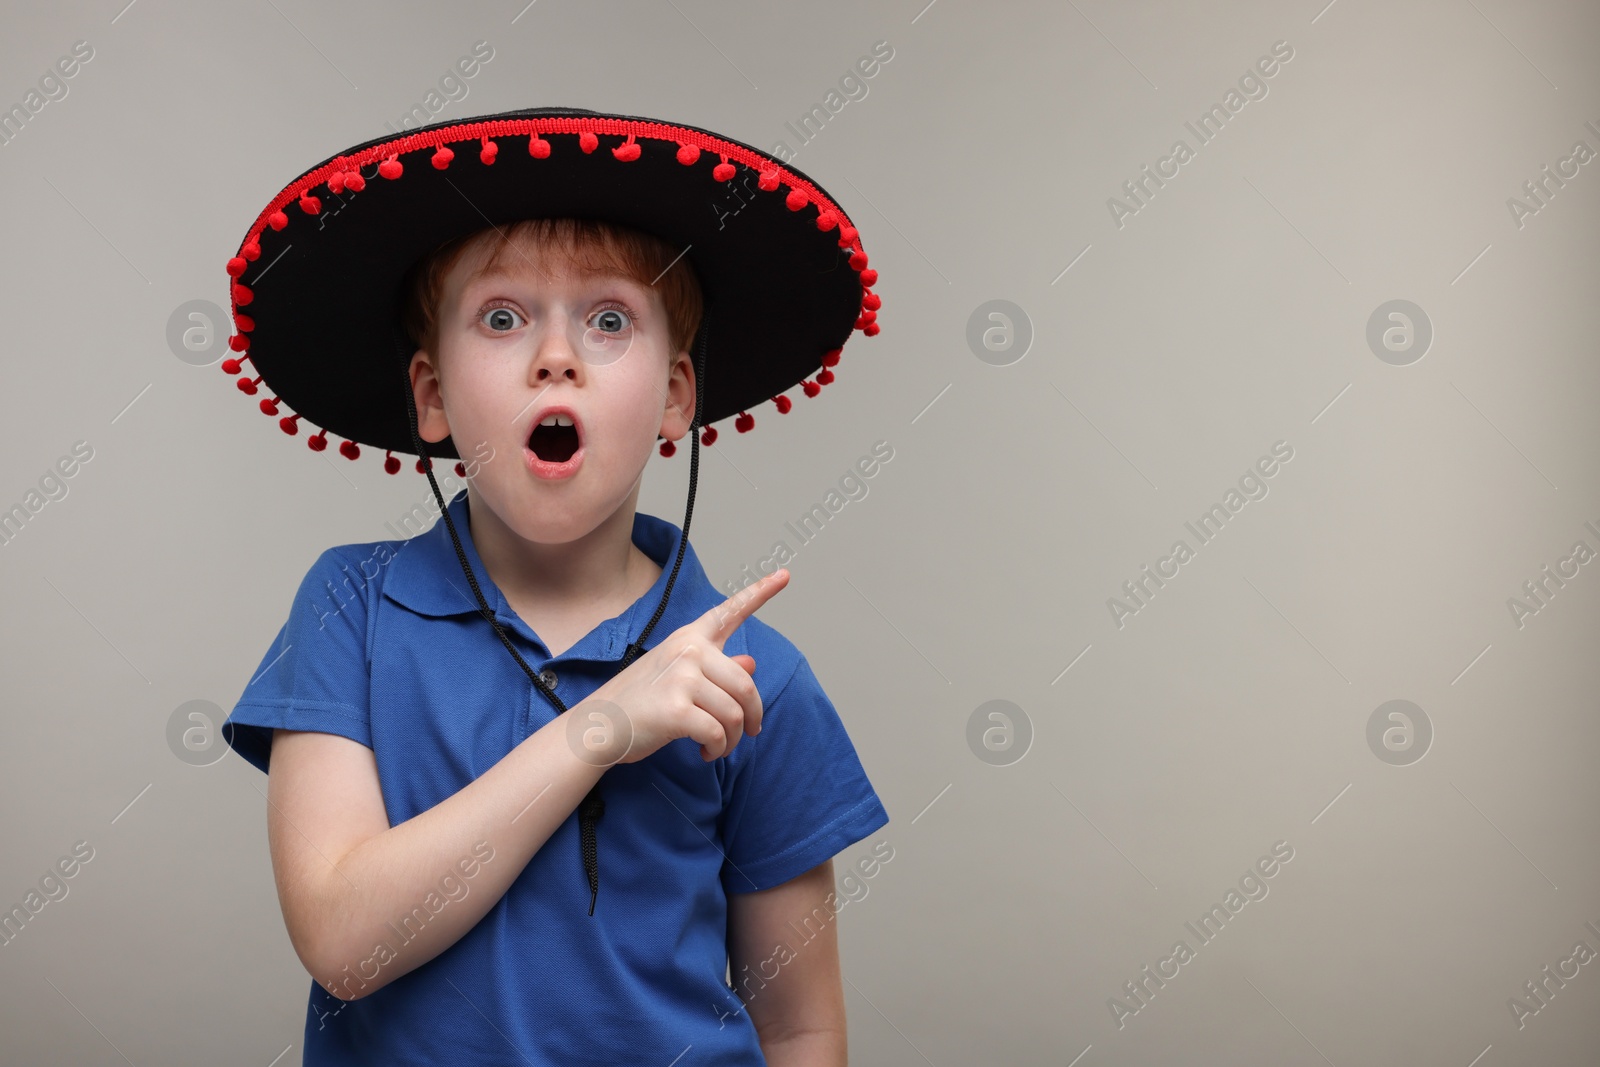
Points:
[(602, 566)]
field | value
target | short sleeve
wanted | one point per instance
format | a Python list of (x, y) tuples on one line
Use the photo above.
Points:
[(801, 797), (316, 675)]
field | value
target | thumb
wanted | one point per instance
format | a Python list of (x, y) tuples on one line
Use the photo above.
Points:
[(747, 662)]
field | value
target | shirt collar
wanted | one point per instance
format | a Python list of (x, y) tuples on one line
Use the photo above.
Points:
[(425, 576)]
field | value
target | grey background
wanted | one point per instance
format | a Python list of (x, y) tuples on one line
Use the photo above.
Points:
[(1228, 314)]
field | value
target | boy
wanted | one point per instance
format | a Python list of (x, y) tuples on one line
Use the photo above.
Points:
[(426, 801)]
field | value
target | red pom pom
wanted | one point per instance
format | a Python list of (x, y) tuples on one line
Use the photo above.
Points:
[(870, 329), (236, 266), (811, 387), (442, 157), (847, 236), (239, 342), (489, 151), (872, 301), (230, 366), (830, 358), (244, 322), (336, 183), (421, 469), (391, 168), (668, 448), (783, 404), (461, 470), (354, 181), (858, 260), (708, 435), (627, 151), (242, 295), (251, 250), (745, 422), (768, 180), (318, 441), (310, 204), (687, 155), (391, 464), (866, 317), (824, 376), (722, 171), (588, 141), (795, 200), (289, 424), (869, 277), (277, 220), (827, 220), (349, 449), (538, 147), (269, 406)]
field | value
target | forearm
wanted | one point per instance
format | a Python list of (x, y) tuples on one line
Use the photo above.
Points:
[(806, 1048), (368, 894)]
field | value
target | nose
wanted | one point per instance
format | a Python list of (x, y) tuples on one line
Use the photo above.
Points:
[(556, 357)]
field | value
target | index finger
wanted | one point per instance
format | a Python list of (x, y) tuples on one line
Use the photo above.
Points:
[(725, 618)]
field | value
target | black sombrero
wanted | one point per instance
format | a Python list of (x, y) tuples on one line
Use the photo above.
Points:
[(318, 282)]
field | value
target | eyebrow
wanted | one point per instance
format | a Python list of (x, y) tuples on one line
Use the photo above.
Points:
[(502, 272)]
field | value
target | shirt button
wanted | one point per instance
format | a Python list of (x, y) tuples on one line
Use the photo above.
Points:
[(548, 677)]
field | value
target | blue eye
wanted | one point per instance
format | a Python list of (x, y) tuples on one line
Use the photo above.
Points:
[(611, 320), (500, 319)]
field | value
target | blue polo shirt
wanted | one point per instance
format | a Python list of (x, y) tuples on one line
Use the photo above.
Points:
[(384, 645)]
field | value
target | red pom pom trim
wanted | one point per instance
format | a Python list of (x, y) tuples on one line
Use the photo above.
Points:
[(628, 151), (344, 174)]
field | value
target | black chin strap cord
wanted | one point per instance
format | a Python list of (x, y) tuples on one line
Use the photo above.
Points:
[(593, 806)]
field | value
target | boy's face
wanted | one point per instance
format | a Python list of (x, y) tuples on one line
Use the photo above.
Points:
[(517, 343)]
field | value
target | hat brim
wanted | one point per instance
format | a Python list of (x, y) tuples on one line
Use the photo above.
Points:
[(322, 292)]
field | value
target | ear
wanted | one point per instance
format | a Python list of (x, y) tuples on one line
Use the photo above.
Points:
[(679, 413), (432, 426)]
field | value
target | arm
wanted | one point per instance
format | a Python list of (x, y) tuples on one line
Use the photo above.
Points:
[(799, 1014), (343, 873)]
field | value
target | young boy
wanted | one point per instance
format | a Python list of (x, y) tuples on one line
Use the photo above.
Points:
[(438, 816)]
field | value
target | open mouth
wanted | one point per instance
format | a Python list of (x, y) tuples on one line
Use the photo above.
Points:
[(554, 439)]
